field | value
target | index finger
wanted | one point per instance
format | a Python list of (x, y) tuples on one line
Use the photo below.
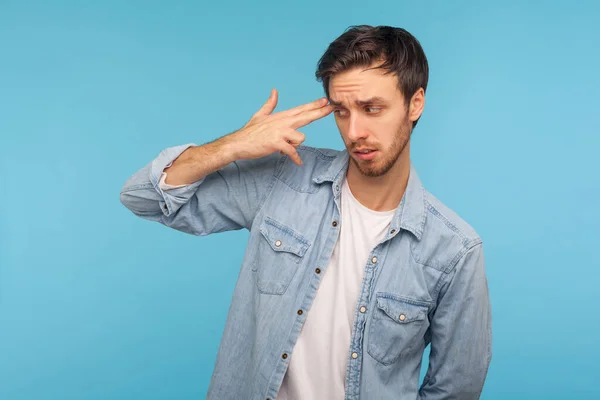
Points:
[(313, 105), (307, 117)]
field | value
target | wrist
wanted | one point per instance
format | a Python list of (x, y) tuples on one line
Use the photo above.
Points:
[(228, 149)]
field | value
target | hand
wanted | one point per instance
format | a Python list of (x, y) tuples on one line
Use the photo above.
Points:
[(266, 133)]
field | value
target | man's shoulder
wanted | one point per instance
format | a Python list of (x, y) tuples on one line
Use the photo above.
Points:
[(446, 235), (316, 162), (442, 214)]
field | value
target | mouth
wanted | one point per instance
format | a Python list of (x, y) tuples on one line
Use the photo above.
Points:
[(365, 154)]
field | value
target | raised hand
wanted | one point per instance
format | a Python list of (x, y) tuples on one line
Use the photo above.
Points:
[(267, 132)]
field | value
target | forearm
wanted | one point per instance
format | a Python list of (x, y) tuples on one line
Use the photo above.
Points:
[(206, 202), (141, 192), (197, 162), (220, 185)]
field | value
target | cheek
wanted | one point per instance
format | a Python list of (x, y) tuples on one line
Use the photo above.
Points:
[(386, 130), (342, 126)]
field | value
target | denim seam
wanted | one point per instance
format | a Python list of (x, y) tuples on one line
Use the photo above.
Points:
[(318, 153), (269, 192), (452, 265), (443, 218), (404, 299), (286, 229), (138, 186), (164, 196), (295, 188)]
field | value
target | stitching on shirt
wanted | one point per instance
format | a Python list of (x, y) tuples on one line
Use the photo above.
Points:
[(452, 266), (404, 299), (138, 186), (311, 188), (424, 215), (447, 222), (466, 244), (269, 191), (296, 188), (286, 229), (319, 152), (316, 150)]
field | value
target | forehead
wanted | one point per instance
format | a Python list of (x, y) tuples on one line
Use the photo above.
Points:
[(362, 83)]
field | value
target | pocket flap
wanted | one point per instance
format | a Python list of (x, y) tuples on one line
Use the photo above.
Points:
[(282, 238), (401, 311)]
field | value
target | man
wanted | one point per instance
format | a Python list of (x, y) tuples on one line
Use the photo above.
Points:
[(352, 267)]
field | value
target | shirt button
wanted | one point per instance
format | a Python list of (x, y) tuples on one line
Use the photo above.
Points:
[(392, 231), (278, 243), (284, 356), (334, 223), (318, 270), (354, 355), (300, 312), (363, 309), (402, 317), (374, 260)]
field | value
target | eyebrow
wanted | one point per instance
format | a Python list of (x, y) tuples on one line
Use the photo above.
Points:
[(372, 100)]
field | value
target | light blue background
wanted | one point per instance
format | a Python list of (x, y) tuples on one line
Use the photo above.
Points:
[(98, 304)]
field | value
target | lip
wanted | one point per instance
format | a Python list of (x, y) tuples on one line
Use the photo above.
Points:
[(367, 156)]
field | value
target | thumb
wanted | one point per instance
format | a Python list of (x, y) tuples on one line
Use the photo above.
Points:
[(270, 104)]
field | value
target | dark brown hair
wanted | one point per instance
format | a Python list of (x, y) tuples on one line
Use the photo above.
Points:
[(398, 51)]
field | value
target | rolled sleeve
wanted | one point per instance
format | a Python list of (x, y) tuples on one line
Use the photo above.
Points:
[(227, 199), (173, 197)]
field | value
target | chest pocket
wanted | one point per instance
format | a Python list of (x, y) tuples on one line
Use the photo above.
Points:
[(280, 253), (396, 326)]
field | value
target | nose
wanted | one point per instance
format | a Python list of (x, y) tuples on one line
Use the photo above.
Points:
[(355, 131)]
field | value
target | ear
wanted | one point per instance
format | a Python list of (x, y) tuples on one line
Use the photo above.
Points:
[(416, 106)]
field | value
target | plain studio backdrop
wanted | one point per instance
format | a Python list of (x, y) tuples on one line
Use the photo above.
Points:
[(96, 303)]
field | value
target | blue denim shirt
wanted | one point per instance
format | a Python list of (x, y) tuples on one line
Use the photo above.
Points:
[(429, 269)]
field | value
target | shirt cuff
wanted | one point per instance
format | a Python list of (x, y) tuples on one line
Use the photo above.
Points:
[(172, 198), (163, 177)]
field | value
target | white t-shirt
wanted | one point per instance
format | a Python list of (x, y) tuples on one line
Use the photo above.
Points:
[(317, 366)]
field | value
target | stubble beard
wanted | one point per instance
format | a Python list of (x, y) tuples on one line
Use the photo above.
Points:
[(371, 169)]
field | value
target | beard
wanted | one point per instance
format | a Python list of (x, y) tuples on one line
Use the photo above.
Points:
[(380, 167)]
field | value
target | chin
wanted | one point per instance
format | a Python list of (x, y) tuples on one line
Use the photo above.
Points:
[(371, 169), (372, 172)]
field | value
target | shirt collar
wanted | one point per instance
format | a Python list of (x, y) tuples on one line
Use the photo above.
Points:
[(411, 212)]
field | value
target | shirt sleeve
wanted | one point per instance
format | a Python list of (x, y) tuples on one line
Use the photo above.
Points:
[(227, 199), (165, 186), (461, 333)]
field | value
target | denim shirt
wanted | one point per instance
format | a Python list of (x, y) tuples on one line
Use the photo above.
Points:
[(424, 283)]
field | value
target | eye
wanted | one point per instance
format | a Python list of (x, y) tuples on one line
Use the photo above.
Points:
[(340, 112), (373, 110)]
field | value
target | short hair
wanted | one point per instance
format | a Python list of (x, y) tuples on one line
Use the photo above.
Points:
[(398, 51)]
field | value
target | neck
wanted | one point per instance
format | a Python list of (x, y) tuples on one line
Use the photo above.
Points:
[(381, 193)]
